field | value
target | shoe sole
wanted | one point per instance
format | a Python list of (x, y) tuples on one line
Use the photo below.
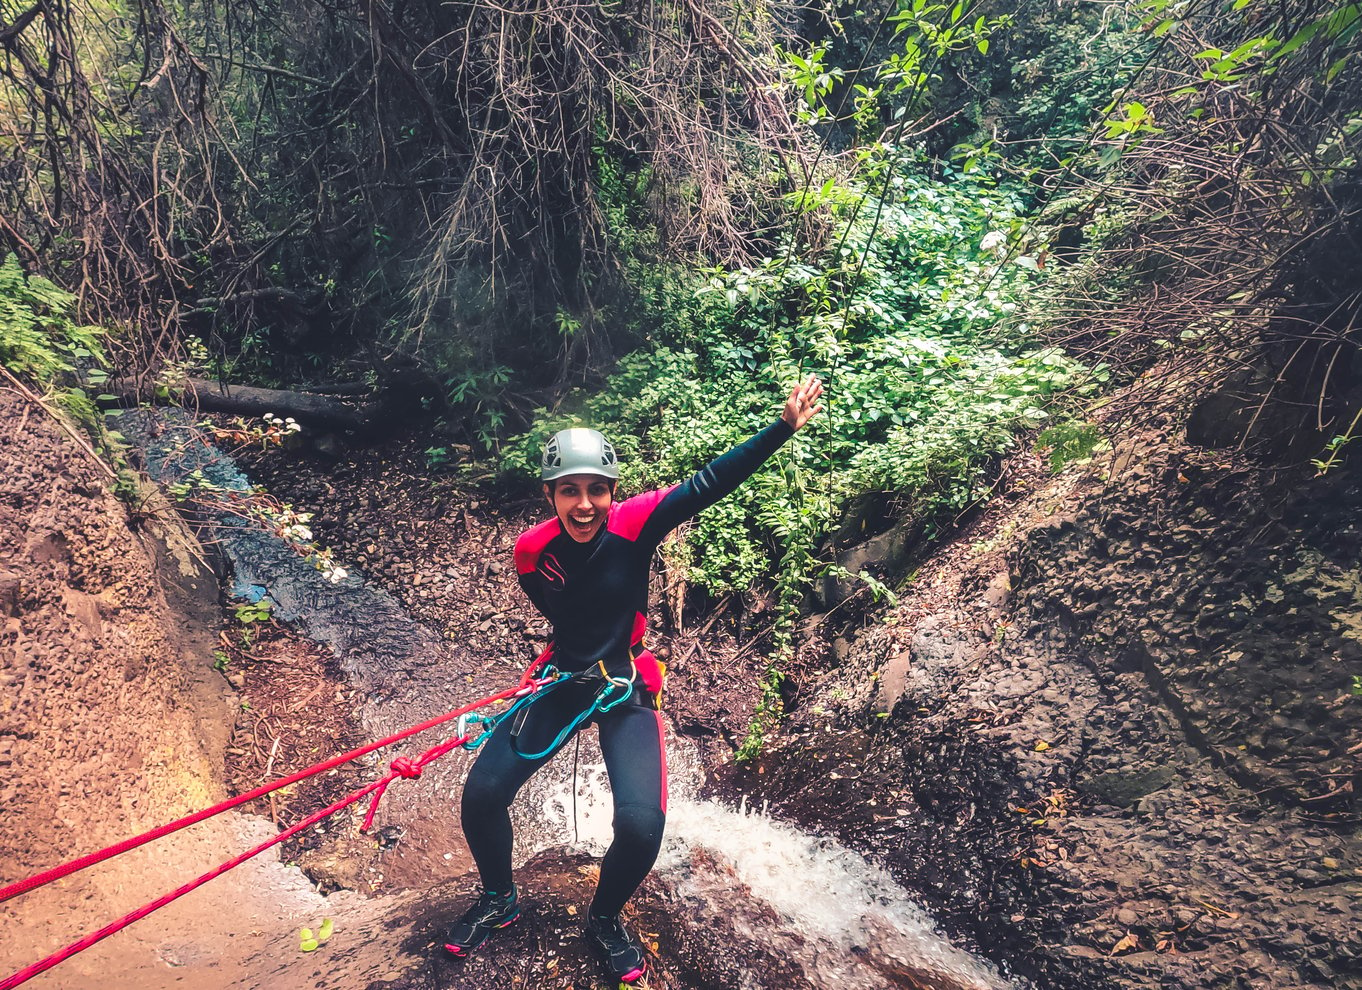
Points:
[(462, 951)]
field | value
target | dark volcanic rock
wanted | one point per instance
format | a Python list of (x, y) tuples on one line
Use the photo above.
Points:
[(1111, 734)]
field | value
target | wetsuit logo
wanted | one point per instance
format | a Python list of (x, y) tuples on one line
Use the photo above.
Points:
[(552, 570)]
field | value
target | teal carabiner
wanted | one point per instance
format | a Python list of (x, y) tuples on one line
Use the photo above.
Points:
[(602, 703), (492, 721)]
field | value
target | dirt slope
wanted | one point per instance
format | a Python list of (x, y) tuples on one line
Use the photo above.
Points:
[(112, 721), (86, 641), (1111, 729)]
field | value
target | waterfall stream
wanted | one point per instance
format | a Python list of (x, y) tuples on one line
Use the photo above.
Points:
[(845, 920)]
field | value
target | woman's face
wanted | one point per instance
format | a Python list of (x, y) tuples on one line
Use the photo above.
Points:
[(581, 502)]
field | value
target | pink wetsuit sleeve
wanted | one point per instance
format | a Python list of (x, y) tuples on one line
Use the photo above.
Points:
[(628, 518)]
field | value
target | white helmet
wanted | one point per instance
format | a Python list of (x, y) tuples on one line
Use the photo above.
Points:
[(578, 451)]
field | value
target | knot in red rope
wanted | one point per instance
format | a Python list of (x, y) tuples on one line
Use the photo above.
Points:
[(406, 768)]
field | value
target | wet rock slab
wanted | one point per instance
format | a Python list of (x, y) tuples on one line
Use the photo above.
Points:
[(692, 944), (1109, 734)]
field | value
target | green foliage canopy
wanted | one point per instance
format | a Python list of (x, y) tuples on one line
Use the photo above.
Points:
[(922, 390)]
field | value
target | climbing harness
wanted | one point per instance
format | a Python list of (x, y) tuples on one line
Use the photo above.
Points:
[(531, 682), (613, 692), (552, 678)]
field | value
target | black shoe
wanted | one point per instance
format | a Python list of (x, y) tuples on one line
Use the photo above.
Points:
[(492, 911), (622, 954)]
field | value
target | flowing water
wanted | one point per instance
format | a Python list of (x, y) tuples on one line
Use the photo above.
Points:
[(843, 919), (853, 926)]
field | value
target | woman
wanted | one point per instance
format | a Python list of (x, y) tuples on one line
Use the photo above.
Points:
[(587, 571)]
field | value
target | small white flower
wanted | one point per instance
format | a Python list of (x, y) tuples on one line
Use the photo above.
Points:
[(337, 574)]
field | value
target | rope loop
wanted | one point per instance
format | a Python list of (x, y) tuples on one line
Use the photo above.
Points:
[(406, 768)]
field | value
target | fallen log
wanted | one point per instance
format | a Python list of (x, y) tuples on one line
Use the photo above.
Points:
[(310, 408)]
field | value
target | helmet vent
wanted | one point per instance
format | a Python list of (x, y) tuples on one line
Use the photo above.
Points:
[(578, 451)]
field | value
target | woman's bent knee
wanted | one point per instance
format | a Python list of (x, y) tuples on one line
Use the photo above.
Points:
[(640, 824)]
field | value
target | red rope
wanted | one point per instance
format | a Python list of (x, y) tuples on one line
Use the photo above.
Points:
[(400, 767), (42, 966), (76, 865)]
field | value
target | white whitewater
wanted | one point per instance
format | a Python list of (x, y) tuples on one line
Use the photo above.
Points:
[(843, 919)]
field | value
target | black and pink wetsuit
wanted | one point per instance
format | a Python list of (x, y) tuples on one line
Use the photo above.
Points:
[(595, 595)]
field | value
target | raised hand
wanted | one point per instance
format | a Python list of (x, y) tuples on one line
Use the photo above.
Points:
[(803, 404)]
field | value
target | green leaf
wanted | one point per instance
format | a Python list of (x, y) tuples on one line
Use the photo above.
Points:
[(1251, 47), (307, 942), (324, 932), (1296, 40)]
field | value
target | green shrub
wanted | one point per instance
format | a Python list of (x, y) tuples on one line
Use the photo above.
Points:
[(910, 321), (38, 339)]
